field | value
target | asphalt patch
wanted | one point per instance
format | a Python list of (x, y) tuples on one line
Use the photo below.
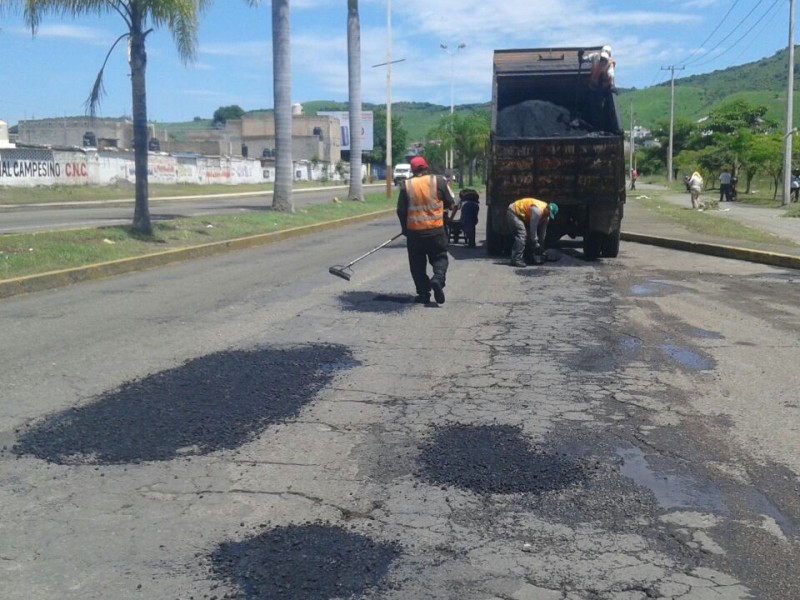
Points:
[(217, 402), (304, 562), (380, 303), (494, 460)]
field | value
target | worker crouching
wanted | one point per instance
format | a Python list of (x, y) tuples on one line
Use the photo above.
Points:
[(528, 219)]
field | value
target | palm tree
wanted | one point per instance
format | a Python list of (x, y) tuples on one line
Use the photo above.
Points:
[(282, 84), (354, 92), (179, 16)]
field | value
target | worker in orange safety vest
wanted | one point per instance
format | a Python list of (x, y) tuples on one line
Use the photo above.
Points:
[(528, 219), (421, 207)]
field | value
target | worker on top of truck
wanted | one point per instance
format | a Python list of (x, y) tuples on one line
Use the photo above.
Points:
[(528, 218), (601, 83)]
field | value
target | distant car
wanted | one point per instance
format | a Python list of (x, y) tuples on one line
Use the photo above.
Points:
[(402, 171)]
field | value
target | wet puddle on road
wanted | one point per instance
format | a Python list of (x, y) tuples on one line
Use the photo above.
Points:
[(670, 489), (687, 358), (654, 288), (697, 332)]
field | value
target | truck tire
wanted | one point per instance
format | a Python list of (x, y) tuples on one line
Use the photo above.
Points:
[(592, 245), (610, 245), (494, 241)]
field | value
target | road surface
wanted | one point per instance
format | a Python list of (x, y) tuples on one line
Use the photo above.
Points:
[(248, 426)]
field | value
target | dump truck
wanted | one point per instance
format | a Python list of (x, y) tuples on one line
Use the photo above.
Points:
[(549, 141)]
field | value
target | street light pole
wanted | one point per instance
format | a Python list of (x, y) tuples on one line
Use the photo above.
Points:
[(388, 64), (450, 156), (388, 99)]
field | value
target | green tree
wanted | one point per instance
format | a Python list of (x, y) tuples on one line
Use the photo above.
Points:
[(399, 138), (738, 114), (228, 113), (141, 17), (466, 134), (354, 93), (472, 135), (684, 136), (282, 85)]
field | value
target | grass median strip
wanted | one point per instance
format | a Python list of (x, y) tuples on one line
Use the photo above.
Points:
[(711, 223), (33, 254)]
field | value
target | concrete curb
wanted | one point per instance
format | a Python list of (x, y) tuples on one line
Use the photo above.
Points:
[(757, 256), (55, 279)]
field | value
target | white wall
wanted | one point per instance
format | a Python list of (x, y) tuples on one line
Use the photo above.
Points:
[(29, 167)]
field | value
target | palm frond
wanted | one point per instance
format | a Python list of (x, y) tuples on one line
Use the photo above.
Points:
[(98, 91)]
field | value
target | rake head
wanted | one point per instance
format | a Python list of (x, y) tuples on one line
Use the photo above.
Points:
[(340, 271)]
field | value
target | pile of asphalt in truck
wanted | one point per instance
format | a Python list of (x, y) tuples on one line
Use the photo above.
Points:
[(540, 119)]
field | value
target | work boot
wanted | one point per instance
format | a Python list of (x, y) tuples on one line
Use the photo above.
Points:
[(518, 263), (438, 292), (422, 298)]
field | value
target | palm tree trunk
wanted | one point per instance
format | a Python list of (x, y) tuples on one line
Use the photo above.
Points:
[(282, 84), (354, 90), (138, 64)]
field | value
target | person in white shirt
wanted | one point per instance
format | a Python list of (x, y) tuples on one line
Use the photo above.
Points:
[(725, 185), (695, 187)]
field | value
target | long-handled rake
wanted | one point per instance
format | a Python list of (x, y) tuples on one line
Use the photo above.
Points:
[(345, 272)]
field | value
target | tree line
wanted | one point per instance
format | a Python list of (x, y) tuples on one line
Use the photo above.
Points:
[(737, 136)]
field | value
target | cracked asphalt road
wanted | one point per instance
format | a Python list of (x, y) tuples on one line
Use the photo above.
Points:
[(248, 426)]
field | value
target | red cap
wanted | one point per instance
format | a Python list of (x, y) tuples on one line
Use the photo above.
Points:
[(418, 164)]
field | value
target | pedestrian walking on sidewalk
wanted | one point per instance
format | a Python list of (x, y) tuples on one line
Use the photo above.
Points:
[(695, 187), (634, 175), (795, 187)]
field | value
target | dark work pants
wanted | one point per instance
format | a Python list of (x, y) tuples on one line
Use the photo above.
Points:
[(421, 251), (725, 192), (469, 219)]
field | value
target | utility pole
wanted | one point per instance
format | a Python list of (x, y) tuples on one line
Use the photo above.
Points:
[(672, 68), (633, 137), (790, 130)]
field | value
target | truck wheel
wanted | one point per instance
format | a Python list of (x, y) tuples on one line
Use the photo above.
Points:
[(592, 245), (494, 241), (610, 245)]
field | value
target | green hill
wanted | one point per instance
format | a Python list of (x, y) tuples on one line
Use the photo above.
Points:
[(759, 83)]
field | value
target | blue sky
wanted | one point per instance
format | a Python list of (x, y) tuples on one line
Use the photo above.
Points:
[(50, 75)]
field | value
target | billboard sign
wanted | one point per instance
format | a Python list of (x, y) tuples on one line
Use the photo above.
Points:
[(367, 138)]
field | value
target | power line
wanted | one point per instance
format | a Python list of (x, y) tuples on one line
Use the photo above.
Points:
[(754, 37), (753, 26), (730, 33), (710, 35)]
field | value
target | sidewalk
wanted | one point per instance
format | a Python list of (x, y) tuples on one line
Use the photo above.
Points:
[(644, 226)]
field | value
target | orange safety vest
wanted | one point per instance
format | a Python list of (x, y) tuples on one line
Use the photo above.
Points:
[(425, 209), (598, 76), (522, 208)]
